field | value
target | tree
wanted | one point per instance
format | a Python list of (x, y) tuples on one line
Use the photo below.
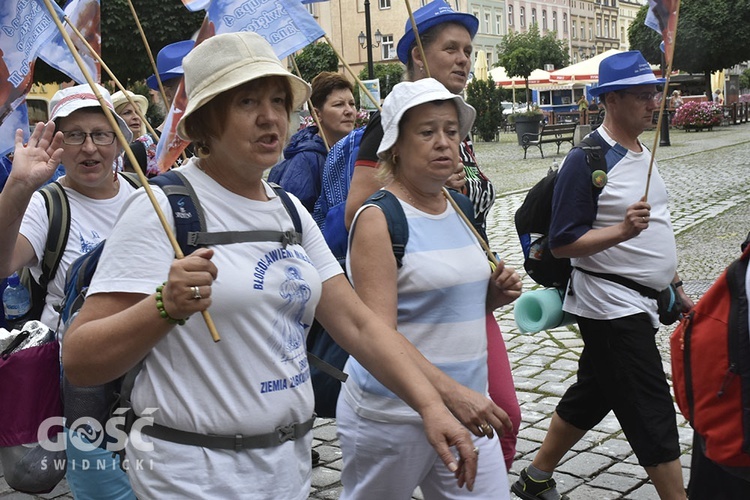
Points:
[(164, 22), (745, 80), (486, 99), (520, 53), (316, 58), (710, 36), (388, 74)]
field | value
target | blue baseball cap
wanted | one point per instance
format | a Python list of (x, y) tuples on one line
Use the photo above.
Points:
[(432, 14), (624, 70), (169, 62)]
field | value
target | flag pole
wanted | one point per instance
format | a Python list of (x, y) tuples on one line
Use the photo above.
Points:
[(669, 56), (118, 84), (148, 52), (109, 114), (351, 72), (416, 37), (312, 108)]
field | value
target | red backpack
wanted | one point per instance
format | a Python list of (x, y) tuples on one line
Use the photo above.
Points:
[(711, 368)]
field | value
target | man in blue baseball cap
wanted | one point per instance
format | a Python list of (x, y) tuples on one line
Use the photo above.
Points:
[(622, 247)]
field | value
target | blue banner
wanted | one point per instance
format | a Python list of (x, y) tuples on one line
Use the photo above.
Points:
[(85, 16), (18, 118), (285, 24)]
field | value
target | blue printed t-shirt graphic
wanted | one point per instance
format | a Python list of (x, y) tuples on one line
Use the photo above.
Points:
[(287, 339), (86, 245)]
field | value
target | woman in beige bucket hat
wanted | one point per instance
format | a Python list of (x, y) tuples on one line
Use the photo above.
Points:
[(233, 418)]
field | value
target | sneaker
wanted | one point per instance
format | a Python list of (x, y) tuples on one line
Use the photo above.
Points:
[(315, 458), (531, 489)]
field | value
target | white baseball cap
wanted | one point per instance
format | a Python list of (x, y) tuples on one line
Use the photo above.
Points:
[(66, 101)]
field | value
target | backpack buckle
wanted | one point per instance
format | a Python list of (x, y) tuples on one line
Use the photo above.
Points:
[(291, 238), (286, 433)]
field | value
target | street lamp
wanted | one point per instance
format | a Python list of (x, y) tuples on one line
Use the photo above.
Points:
[(593, 50), (365, 40)]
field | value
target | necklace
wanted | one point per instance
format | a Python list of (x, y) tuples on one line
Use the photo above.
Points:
[(414, 202)]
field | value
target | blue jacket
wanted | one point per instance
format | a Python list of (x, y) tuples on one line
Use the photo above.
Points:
[(301, 170)]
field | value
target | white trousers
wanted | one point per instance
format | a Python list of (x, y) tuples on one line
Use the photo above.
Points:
[(390, 460)]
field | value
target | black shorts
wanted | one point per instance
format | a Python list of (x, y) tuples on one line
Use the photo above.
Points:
[(620, 369)]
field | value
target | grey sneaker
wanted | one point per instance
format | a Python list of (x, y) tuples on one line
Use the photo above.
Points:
[(531, 489)]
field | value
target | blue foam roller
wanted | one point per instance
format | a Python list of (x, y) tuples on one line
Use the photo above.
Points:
[(539, 310)]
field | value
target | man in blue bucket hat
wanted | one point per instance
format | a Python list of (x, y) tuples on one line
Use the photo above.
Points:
[(607, 227), (169, 66)]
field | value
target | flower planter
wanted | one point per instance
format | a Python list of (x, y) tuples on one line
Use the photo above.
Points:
[(527, 124)]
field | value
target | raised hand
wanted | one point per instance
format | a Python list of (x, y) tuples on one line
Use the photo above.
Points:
[(35, 163)]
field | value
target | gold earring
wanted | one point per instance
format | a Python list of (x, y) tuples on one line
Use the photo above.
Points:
[(202, 150)]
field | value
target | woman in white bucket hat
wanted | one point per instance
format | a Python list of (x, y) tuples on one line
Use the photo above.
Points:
[(254, 384), (444, 280)]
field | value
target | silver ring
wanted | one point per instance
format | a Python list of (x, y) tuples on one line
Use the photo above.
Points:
[(643, 219), (196, 292), (476, 450)]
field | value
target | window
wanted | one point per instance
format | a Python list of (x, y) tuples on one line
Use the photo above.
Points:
[(573, 29), (591, 31), (522, 17), (614, 29), (510, 16), (387, 50), (499, 24), (489, 59), (544, 20), (487, 25), (606, 29), (385, 4), (533, 17), (565, 24), (598, 27), (310, 9), (554, 21), (583, 31)]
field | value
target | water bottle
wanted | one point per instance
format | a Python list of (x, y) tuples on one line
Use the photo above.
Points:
[(16, 303)]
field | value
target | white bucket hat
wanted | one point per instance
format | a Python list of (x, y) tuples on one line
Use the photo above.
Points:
[(67, 101), (119, 99), (226, 61), (407, 95)]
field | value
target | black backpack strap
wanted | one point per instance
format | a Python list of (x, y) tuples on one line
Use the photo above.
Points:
[(626, 282), (131, 178), (58, 211), (186, 208), (396, 220), (594, 155)]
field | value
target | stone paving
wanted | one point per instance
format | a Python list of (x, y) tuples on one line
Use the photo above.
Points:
[(708, 176)]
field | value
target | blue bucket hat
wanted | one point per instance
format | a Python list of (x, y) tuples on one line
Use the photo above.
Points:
[(624, 70), (430, 15), (169, 62)]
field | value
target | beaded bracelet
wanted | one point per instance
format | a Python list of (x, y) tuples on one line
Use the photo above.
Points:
[(163, 312)]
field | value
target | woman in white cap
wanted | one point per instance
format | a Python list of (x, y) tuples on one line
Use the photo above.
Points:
[(446, 37), (80, 137), (144, 144), (252, 389), (438, 299)]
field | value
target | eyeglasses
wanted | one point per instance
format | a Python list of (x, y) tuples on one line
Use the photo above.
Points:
[(641, 96), (77, 137)]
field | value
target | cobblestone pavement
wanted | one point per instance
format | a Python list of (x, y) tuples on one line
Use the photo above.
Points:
[(708, 176)]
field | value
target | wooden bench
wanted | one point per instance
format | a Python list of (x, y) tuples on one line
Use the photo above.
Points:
[(549, 134)]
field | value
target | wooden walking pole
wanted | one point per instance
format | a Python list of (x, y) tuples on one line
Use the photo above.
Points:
[(485, 246), (312, 108), (126, 146), (351, 72), (153, 63), (417, 39), (118, 84), (670, 49)]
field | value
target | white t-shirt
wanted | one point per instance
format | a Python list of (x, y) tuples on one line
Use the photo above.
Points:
[(650, 258), (90, 222), (256, 378)]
